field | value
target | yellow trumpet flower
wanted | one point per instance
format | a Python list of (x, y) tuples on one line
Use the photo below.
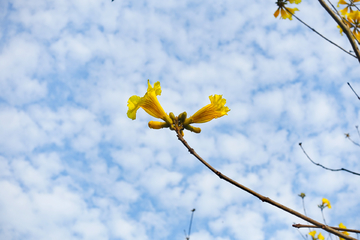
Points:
[(215, 109), (150, 104)]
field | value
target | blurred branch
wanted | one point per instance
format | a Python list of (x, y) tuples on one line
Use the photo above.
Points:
[(336, 228), (261, 197), (344, 27), (330, 169), (353, 90)]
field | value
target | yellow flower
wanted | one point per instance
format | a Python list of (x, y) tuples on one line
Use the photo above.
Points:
[(215, 109), (326, 203), (313, 233), (348, 7), (353, 22), (150, 104), (285, 12), (343, 226)]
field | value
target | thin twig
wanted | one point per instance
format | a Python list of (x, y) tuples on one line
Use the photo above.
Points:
[(322, 213), (355, 143), (301, 233), (353, 91), (261, 197), (321, 34), (336, 228), (330, 169), (357, 129), (303, 203)]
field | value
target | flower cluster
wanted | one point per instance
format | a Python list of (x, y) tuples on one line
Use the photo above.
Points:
[(341, 225), (285, 12), (351, 16), (151, 105)]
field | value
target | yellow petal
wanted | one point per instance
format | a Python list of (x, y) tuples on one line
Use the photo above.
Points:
[(276, 13), (312, 233), (287, 13), (320, 237), (341, 225), (133, 105), (213, 110), (326, 202), (295, 1), (354, 16), (344, 11), (342, 2), (341, 31)]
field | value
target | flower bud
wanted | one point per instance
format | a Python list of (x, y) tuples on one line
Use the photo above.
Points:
[(172, 116), (193, 129), (158, 125), (182, 117)]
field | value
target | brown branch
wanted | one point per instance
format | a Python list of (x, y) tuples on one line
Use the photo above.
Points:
[(330, 169), (336, 228), (344, 27), (261, 197)]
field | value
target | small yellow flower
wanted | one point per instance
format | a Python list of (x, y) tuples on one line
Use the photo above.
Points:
[(285, 12), (326, 203), (302, 195), (343, 226), (313, 233), (215, 109), (353, 22), (349, 6), (150, 104)]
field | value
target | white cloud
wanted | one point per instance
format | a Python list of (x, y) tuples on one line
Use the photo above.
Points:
[(73, 166)]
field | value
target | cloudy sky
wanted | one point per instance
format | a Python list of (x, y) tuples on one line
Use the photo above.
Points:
[(73, 166)]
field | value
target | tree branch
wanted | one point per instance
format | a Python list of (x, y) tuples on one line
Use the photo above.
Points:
[(336, 228), (330, 169), (261, 197), (344, 27)]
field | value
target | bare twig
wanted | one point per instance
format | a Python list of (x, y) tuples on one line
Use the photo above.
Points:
[(336, 228), (347, 135), (261, 197), (357, 129), (321, 34), (330, 169), (353, 90)]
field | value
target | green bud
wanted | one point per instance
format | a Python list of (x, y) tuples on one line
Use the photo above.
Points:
[(193, 129), (172, 116), (182, 117)]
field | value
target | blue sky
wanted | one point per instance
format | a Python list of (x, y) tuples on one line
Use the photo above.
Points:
[(73, 166)]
